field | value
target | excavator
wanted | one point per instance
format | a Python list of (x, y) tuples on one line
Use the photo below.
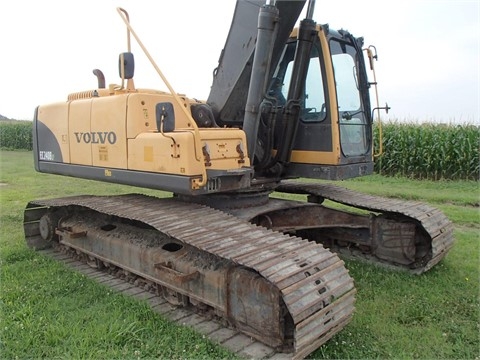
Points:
[(288, 112)]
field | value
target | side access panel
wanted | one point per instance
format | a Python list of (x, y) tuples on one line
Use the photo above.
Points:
[(50, 133), (172, 154), (108, 132), (79, 131)]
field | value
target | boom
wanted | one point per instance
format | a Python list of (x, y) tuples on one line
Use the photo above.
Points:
[(229, 90)]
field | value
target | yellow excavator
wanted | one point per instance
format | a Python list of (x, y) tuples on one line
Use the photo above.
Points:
[(285, 103)]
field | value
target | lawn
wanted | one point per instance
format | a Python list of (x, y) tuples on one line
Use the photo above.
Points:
[(50, 311)]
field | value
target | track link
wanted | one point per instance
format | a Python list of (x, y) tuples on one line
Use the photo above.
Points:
[(313, 284), (242, 345), (430, 222)]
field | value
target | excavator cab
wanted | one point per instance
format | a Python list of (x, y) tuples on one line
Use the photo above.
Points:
[(334, 134)]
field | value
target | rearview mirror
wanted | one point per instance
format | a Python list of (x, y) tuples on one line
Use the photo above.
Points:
[(126, 65)]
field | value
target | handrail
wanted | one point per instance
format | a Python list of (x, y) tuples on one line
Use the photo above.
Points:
[(371, 57)]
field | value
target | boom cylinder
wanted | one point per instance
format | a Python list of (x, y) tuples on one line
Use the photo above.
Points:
[(267, 20), (306, 35)]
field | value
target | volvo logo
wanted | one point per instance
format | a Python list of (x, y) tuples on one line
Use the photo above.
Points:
[(98, 137)]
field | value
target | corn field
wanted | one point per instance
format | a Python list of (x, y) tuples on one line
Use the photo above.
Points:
[(421, 151), (16, 135), (429, 151)]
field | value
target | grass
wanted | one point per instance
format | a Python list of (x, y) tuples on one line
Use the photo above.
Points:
[(50, 311)]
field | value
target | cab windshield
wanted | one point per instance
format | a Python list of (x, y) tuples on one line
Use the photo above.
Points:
[(353, 119)]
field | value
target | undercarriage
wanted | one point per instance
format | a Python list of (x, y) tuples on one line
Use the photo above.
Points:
[(262, 269)]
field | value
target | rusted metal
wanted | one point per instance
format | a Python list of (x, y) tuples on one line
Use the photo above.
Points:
[(174, 275), (214, 329), (70, 233), (405, 234), (291, 294)]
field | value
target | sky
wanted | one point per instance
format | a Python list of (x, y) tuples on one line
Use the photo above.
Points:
[(428, 50)]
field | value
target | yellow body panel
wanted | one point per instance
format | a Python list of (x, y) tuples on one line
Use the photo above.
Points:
[(174, 152), (223, 146), (78, 128), (50, 115), (334, 157), (155, 152), (315, 157), (141, 112), (109, 139)]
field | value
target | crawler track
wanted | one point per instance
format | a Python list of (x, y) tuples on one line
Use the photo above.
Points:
[(244, 346), (432, 225), (313, 284)]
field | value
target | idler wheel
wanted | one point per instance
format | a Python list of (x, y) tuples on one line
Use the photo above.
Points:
[(48, 224)]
